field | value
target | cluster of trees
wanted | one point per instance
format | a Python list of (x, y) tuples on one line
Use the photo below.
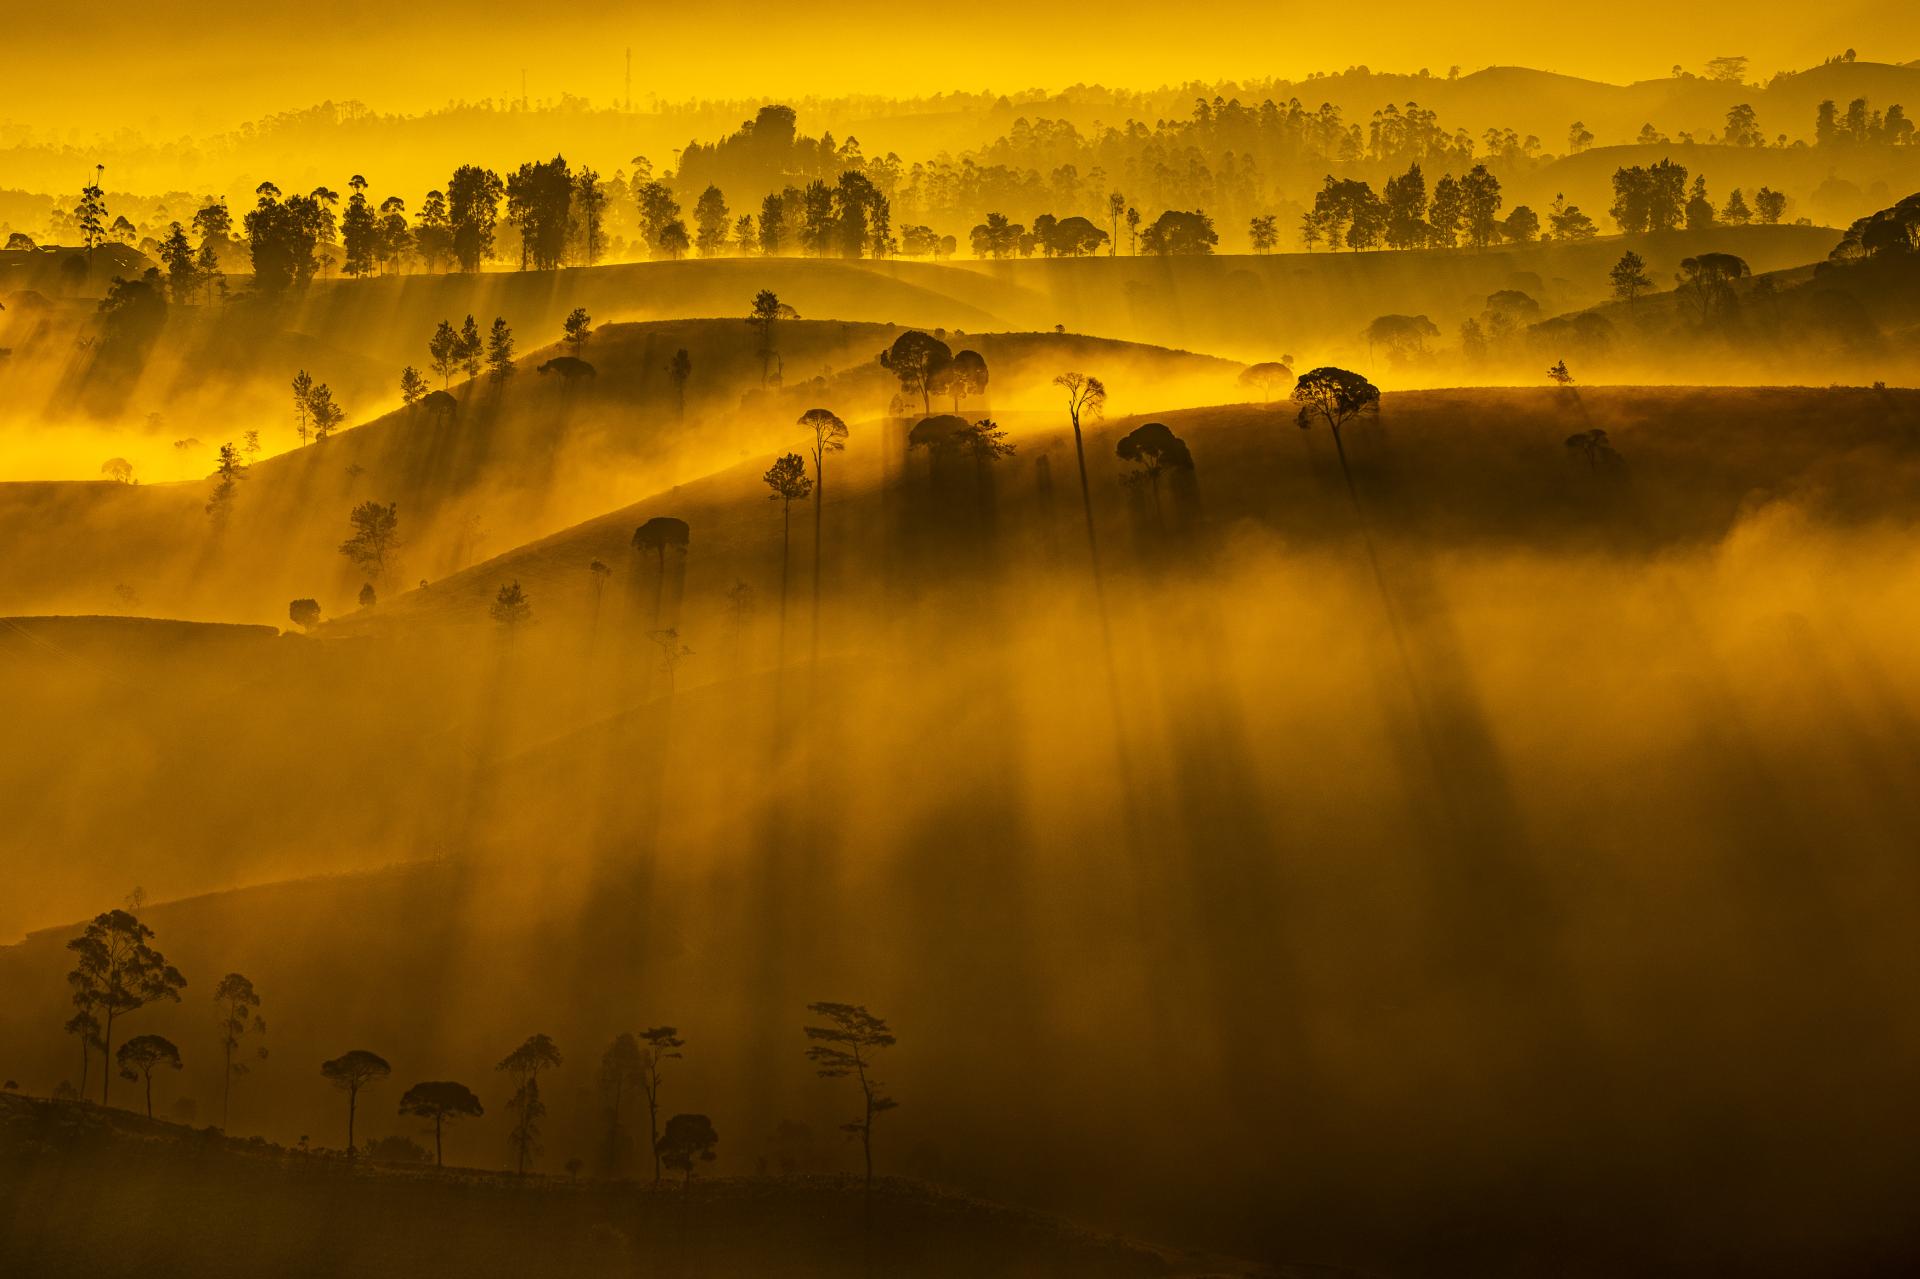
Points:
[(314, 412), (1465, 210), (118, 971), (1052, 237), (1657, 197), (1860, 125)]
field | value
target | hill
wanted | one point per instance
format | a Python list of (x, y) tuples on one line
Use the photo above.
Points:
[(510, 463), (216, 1207)]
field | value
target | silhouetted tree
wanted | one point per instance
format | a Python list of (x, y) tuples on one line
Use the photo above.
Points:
[(767, 311), (680, 368), (500, 350), (304, 613), (326, 415), (1335, 396), (846, 1046), (524, 1065), (660, 1044), (577, 328), (659, 535), (473, 209), (444, 351), (140, 1056), (1263, 232), (711, 220), (620, 1071), (1629, 276), (239, 1007), (1116, 209), (1154, 450), (510, 608), (228, 471), (413, 387), (688, 1139), (367, 596), (1558, 373), (1179, 233), (673, 240), (1706, 282), (1594, 447), (376, 534), (350, 1072), (1266, 377), (919, 361), (118, 972), (539, 204), (1480, 206), (787, 477), (1086, 397), (472, 350), (442, 1101), (829, 436)]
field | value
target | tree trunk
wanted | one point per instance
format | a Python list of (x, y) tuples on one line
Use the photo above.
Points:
[(149, 1094), (1086, 498), (353, 1099), (653, 1130), (106, 1059), (226, 1087), (437, 1161), (819, 500), (786, 537)]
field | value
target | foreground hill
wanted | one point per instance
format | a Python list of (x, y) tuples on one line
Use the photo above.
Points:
[(507, 464), (83, 1189)]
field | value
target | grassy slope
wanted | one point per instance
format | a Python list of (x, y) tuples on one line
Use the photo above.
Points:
[(82, 1189), (511, 465)]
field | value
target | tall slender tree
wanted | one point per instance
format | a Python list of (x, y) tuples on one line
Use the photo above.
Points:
[(239, 1009), (1086, 398), (829, 436), (351, 1072), (119, 971), (787, 477), (661, 1044)]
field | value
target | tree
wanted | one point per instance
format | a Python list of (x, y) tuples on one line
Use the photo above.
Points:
[(997, 237), (673, 240), (1154, 450), (787, 477), (688, 1139), (1558, 373), (1086, 397), (1116, 208), (576, 329), (327, 416), (1629, 276), (1699, 207), (500, 349), (473, 209), (302, 402), (444, 351), (367, 596), (1522, 225), (117, 469), (1735, 210), (659, 535), (524, 1065), (1263, 232), (1267, 376), (844, 1046), (966, 375), (1594, 447), (510, 608), (1569, 223), (658, 212), (680, 368), (472, 352), (767, 311), (376, 534), (1446, 212), (1579, 138), (239, 1007), (442, 1101), (350, 1072), (1179, 233), (710, 220), (829, 436), (1335, 396), (118, 972), (1769, 205), (228, 471), (304, 614), (590, 199), (1743, 127), (918, 360), (1707, 282), (413, 387), (140, 1056), (1727, 68), (662, 1044), (1480, 206), (182, 267), (539, 203), (620, 1069), (90, 214), (359, 232)]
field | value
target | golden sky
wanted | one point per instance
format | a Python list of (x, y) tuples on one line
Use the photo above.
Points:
[(213, 69)]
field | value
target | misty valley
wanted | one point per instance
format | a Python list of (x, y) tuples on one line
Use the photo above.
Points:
[(1300, 675)]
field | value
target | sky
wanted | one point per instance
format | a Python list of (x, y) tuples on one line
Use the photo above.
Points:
[(211, 69)]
